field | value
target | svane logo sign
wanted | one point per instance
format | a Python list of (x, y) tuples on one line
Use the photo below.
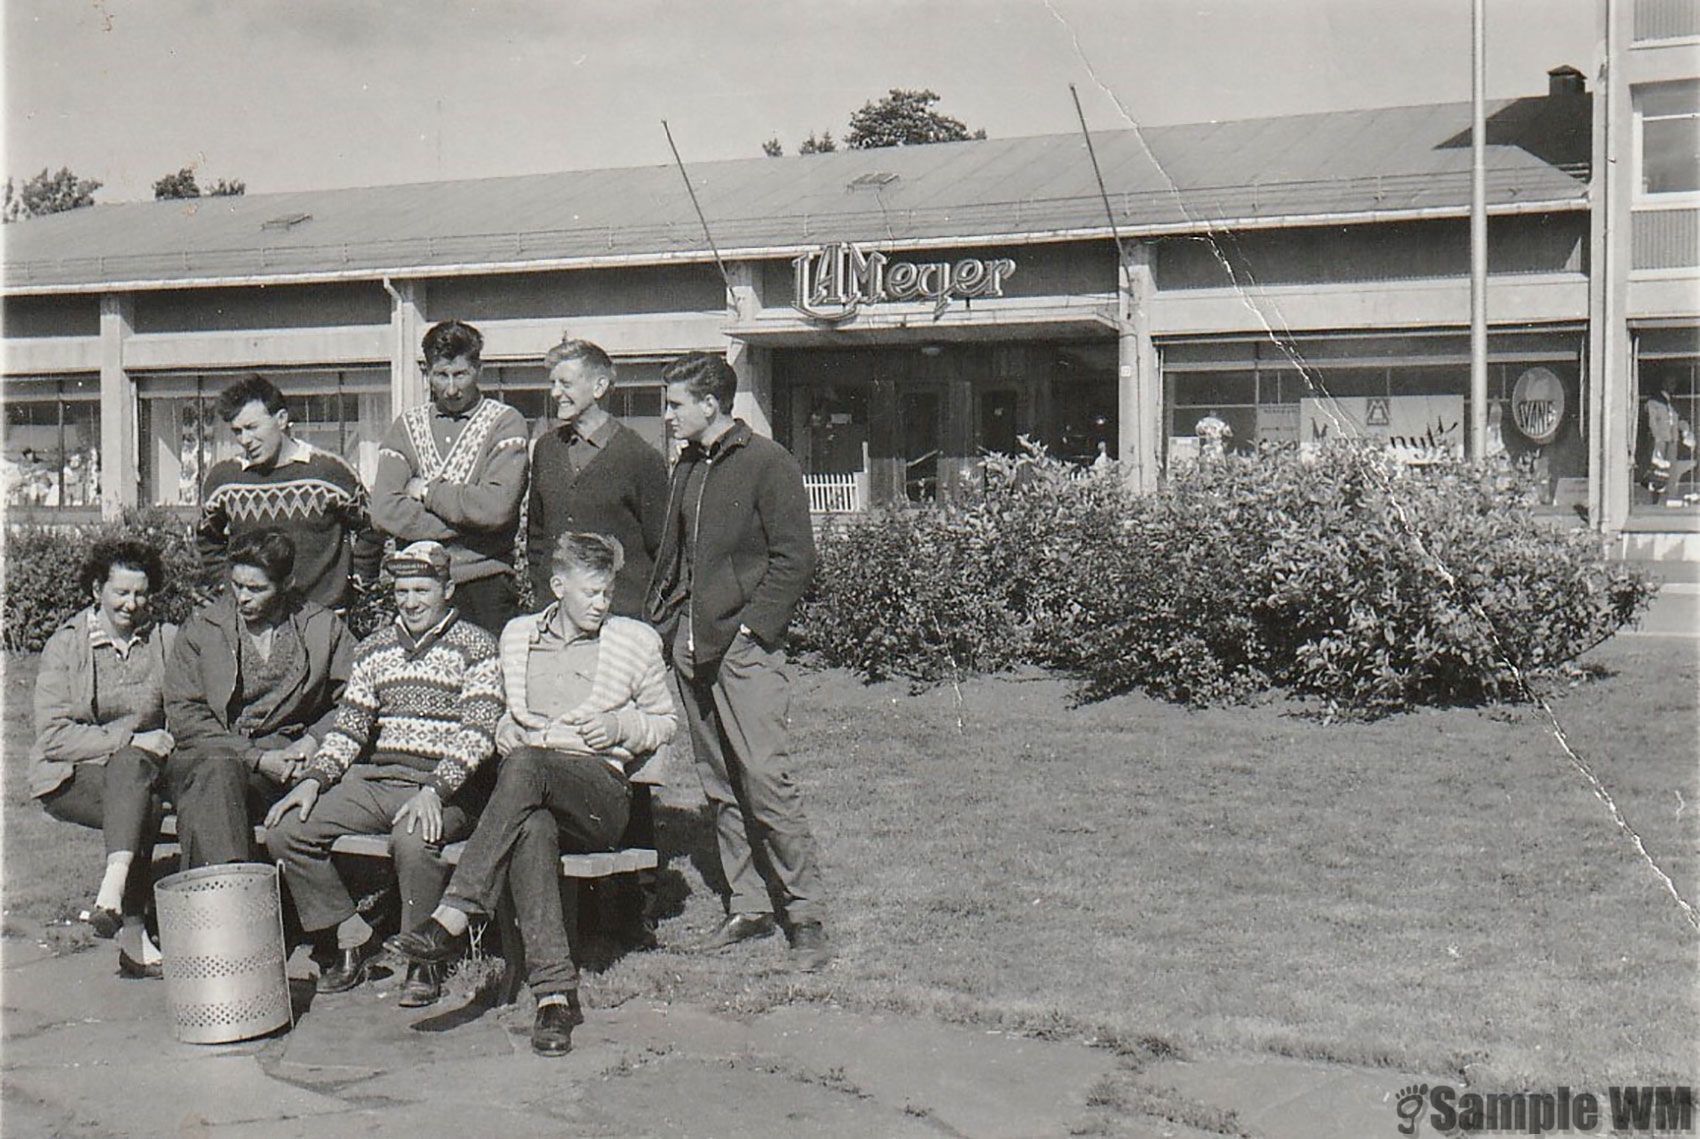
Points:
[(836, 280)]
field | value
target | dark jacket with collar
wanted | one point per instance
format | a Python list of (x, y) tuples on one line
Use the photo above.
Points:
[(201, 678), (754, 544)]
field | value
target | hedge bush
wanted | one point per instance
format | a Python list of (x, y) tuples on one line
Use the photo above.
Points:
[(38, 586), (1340, 574)]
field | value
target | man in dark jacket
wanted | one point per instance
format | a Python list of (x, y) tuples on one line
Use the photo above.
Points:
[(250, 690), (737, 552), (591, 472)]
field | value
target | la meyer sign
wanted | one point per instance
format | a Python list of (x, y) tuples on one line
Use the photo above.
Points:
[(836, 280)]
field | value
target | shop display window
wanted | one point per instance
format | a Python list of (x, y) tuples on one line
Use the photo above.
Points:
[(50, 452), (636, 400), (1666, 476)]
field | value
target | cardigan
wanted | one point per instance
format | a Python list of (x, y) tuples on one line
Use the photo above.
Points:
[(620, 491), (631, 682)]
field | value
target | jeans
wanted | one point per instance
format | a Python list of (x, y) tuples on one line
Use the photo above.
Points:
[(488, 602), (117, 798), (545, 802)]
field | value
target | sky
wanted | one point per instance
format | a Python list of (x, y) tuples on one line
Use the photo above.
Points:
[(310, 94)]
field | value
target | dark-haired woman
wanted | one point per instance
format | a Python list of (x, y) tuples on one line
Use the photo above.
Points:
[(251, 689), (100, 735)]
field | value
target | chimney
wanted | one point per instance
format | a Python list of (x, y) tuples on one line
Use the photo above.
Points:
[(1566, 80)]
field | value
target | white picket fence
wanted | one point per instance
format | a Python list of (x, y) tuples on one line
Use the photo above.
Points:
[(837, 493)]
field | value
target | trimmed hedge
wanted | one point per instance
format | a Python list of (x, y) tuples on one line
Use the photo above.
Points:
[(1341, 574)]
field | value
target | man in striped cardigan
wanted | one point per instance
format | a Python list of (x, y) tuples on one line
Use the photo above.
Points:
[(588, 703), (415, 722)]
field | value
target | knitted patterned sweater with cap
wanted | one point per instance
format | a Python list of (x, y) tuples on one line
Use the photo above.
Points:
[(429, 704)]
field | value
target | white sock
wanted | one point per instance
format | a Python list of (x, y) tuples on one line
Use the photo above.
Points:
[(150, 952), (353, 933), (111, 895), (451, 919), (552, 999)]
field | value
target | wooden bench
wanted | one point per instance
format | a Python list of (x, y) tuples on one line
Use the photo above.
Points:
[(577, 867)]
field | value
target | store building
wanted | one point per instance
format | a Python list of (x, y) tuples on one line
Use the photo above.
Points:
[(896, 314)]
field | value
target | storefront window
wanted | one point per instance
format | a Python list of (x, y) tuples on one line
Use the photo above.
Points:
[(50, 454), (345, 412), (1409, 392), (1667, 368)]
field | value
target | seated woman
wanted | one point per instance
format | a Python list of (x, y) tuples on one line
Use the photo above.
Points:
[(251, 690), (587, 698), (101, 738)]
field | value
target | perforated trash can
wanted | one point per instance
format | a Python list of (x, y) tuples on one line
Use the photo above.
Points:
[(221, 933)]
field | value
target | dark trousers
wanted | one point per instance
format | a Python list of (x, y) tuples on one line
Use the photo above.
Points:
[(489, 602), (119, 799), (363, 801), (545, 802), (218, 801), (738, 712)]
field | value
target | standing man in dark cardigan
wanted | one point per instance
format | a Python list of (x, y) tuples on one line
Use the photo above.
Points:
[(593, 473)]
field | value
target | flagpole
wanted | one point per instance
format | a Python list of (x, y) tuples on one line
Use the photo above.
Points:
[(1478, 230)]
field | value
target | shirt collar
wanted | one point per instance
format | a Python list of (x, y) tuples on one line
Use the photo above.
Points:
[(597, 438), (100, 637), (292, 451), (427, 638), (545, 628), (439, 413)]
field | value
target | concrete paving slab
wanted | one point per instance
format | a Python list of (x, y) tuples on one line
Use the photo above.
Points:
[(683, 1096), (170, 1097), (16, 951), (1282, 1098), (978, 1083), (421, 1120)]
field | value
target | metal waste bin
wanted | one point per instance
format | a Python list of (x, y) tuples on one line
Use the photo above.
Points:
[(221, 934)]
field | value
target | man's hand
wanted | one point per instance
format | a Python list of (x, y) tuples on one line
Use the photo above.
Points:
[(424, 810), (157, 743), (303, 795), (601, 730), (277, 766), (530, 721), (414, 488), (509, 735)]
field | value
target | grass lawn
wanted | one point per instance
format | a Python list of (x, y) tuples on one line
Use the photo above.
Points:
[(1434, 892)]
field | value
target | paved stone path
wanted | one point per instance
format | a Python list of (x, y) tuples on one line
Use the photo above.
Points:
[(87, 1054)]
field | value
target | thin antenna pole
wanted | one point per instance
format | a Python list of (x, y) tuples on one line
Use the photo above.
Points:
[(1104, 194), (725, 278), (1478, 231)]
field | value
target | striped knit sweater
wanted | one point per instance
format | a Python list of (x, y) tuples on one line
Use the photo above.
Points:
[(432, 705), (631, 682)]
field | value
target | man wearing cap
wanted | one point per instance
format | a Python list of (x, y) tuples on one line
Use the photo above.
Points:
[(421, 707), (453, 472)]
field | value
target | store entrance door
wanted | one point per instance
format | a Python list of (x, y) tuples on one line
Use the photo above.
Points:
[(921, 429)]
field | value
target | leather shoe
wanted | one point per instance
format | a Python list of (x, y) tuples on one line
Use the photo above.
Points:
[(809, 949), (552, 1031), (429, 943), (132, 970), (424, 986), (348, 972), (105, 923), (739, 927)]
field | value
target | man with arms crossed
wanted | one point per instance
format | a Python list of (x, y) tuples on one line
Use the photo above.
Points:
[(453, 471), (737, 552)]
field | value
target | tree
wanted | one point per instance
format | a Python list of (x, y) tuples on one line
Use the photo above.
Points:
[(49, 194), (904, 118), (773, 148), (179, 185), (825, 144), (227, 188)]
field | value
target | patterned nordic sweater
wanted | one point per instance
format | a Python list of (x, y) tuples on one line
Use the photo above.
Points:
[(432, 705), (315, 498)]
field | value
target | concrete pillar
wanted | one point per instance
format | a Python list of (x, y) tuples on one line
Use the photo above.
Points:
[(1612, 405), (1139, 383), (753, 364), (407, 328), (120, 472)]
